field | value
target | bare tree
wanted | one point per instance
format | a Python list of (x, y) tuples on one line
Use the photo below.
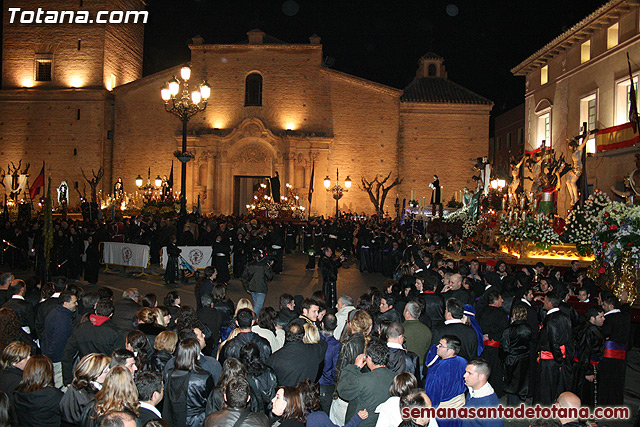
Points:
[(93, 183), (378, 191)]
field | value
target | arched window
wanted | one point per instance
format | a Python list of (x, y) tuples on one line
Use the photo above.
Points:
[(253, 90), (432, 70)]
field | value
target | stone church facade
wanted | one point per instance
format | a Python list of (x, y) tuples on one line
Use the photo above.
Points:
[(306, 115)]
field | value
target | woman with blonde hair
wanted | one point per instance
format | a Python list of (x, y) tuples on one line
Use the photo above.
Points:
[(311, 334), (164, 347), (118, 393), (359, 330), (36, 400), (243, 303), (148, 322), (88, 377), (163, 316), (13, 360)]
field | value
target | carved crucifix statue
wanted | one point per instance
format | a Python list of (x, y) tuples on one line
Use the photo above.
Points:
[(515, 180), (576, 146), (93, 183)]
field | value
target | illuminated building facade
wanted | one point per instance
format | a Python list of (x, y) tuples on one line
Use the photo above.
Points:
[(274, 107)]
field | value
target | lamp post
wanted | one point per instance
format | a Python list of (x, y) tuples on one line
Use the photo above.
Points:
[(147, 190), (337, 190), (184, 106)]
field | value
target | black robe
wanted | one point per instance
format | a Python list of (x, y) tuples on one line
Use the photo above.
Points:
[(589, 352), (554, 367), (92, 264), (435, 194), (515, 351), (612, 370), (171, 273), (493, 322)]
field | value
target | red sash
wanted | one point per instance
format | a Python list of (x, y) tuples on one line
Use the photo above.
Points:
[(614, 350), (492, 343)]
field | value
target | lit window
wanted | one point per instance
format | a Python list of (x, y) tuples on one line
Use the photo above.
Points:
[(544, 75), (612, 36), (588, 115), (544, 130), (585, 52), (253, 90), (623, 102)]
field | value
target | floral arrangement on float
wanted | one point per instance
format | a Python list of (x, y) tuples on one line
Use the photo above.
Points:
[(537, 230), (464, 216), (583, 221), (615, 243)]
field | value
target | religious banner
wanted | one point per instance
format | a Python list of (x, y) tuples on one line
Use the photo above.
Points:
[(128, 254), (199, 257), (616, 137), (14, 184)]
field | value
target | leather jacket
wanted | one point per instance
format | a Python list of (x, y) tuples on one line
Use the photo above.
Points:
[(263, 389), (186, 395), (351, 348)]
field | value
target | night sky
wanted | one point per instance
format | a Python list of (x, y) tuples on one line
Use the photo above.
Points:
[(480, 40), (378, 40)]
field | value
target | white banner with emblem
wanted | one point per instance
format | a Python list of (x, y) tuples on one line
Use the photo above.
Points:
[(198, 256), (128, 254)]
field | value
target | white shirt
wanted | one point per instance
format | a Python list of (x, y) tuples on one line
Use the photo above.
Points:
[(341, 316), (553, 310), (276, 341), (395, 345), (390, 416), (152, 408), (615, 310), (452, 321), (18, 297), (524, 300), (484, 391)]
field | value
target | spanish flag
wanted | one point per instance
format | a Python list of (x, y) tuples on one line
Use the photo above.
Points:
[(34, 190), (616, 137)]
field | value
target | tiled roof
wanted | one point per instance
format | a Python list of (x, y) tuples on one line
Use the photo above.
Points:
[(440, 90)]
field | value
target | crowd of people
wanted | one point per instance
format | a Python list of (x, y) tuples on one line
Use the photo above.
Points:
[(439, 333)]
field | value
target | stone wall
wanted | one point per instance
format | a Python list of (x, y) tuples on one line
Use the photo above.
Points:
[(444, 140)]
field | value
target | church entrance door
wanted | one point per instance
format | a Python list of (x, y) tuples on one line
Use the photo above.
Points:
[(243, 189)]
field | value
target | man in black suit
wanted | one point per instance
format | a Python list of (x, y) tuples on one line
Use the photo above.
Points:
[(206, 287), (23, 308), (433, 313), (44, 307), (297, 360), (150, 393), (213, 319), (454, 325), (124, 311), (5, 282)]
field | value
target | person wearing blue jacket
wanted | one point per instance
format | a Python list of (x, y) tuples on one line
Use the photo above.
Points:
[(58, 328)]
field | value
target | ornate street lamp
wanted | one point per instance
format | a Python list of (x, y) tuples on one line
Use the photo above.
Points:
[(147, 190), (184, 106), (337, 190)]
